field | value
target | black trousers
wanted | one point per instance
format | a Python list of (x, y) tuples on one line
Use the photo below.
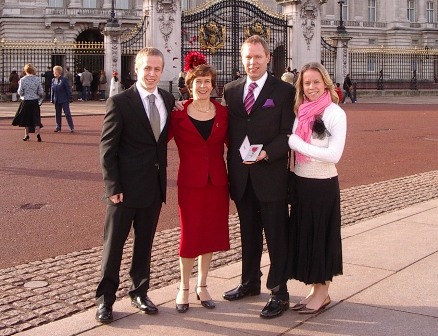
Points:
[(118, 222), (272, 218)]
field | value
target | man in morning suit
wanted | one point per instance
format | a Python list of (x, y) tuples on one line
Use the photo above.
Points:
[(133, 154), (264, 112)]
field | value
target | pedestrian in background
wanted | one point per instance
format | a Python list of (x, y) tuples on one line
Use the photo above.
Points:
[(318, 139), (182, 88), (288, 77), (48, 77), (29, 114), (102, 84), (348, 87), (13, 84), (339, 91), (133, 154), (114, 84), (61, 97), (78, 84), (200, 133), (86, 79), (69, 76)]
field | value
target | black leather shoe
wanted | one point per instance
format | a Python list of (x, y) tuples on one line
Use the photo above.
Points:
[(104, 313), (144, 304), (240, 292), (274, 308), (209, 304), (39, 138), (26, 138)]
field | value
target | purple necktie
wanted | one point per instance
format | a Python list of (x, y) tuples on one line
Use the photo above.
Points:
[(249, 99)]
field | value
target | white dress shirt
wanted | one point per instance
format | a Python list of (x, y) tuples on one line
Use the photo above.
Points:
[(159, 102)]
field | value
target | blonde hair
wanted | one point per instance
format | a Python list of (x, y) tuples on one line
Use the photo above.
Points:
[(148, 51), (30, 69), (299, 95), (288, 77), (57, 68)]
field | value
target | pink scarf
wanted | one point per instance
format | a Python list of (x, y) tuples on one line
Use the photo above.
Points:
[(307, 112)]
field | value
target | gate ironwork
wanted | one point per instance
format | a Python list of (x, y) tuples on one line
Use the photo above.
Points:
[(47, 54), (218, 28), (391, 68), (132, 42), (328, 57)]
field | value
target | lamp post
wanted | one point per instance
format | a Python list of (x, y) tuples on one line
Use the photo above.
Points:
[(112, 21), (341, 28)]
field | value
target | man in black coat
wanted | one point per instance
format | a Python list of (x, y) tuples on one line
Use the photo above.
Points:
[(133, 153), (259, 188)]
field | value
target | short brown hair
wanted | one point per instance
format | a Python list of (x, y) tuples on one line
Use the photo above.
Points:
[(257, 39), (201, 70), (148, 51), (30, 69)]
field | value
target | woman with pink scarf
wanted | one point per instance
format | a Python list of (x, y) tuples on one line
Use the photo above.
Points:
[(318, 140)]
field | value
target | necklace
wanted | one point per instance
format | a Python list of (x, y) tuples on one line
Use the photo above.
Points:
[(202, 111)]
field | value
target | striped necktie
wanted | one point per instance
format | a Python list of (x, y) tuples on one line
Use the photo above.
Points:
[(154, 116), (249, 99)]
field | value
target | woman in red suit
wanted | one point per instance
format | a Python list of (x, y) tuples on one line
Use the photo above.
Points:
[(200, 132)]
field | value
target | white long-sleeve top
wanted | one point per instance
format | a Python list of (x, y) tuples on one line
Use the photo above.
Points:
[(323, 153)]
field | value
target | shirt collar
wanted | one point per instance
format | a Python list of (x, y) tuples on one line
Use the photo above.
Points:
[(143, 93), (260, 82)]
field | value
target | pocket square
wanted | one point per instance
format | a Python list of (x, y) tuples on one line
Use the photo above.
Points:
[(269, 103)]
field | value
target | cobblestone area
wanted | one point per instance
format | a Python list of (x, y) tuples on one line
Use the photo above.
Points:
[(72, 278)]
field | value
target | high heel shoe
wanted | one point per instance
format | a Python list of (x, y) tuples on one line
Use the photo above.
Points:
[(182, 307), (306, 310), (39, 138), (26, 138), (209, 304)]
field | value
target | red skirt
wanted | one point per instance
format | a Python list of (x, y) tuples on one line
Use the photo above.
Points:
[(203, 216)]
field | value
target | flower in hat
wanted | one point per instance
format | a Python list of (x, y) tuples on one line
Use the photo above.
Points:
[(193, 59)]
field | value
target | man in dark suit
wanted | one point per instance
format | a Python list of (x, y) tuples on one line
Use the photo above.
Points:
[(263, 112), (133, 153)]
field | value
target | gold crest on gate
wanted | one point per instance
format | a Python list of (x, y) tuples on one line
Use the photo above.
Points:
[(212, 36)]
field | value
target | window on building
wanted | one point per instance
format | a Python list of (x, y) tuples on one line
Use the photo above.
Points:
[(122, 4), (372, 10), (430, 12), (371, 66), (89, 3), (372, 42), (411, 10), (345, 10), (56, 3)]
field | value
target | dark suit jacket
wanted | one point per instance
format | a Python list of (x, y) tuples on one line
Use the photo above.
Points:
[(61, 91), (269, 123), (200, 159), (129, 154)]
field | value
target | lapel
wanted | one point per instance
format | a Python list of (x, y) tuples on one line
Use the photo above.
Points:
[(264, 93), (240, 85), (137, 107)]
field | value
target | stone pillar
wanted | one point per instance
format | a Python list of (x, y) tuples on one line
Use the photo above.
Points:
[(342, 61), (164, 33), (112, 33), (305, 43)]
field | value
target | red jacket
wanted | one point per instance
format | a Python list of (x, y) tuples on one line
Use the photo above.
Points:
[(199, 158)]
